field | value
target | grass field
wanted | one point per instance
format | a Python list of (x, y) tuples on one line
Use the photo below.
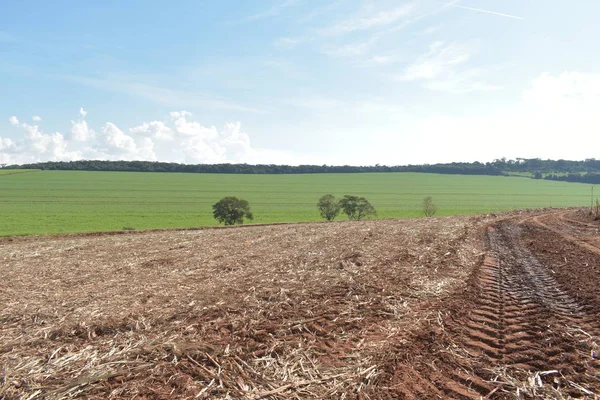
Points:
[(72, 201), (16, 171)]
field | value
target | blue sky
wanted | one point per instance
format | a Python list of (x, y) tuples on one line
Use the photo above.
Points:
[(299, 81)]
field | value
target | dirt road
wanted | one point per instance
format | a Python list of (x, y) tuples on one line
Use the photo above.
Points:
[(529, 327)]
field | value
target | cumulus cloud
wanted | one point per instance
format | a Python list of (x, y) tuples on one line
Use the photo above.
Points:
[(36, 118), (80, 131), (39, 145), (208, 144), (117, 145), (155, 130), (6, 144), (178, 138)]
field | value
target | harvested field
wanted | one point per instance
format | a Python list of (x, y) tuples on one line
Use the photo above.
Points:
[(488, 306)]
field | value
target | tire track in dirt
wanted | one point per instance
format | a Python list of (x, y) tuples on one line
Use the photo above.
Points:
[(520, 320), (559, 223)]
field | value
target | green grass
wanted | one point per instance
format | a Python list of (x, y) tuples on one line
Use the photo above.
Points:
[(69, 201), (16, 171)]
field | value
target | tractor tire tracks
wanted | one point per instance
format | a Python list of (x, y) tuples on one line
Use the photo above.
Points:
[(521, 321)]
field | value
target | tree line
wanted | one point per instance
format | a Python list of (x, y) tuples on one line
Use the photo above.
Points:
[(586, 171), (475, 168), (581, 178)]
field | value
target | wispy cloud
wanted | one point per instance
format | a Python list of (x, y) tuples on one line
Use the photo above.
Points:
[(346, 50), (289, 42), (319, 11), (274, 11), (365, 20), (487, 11), (443, 68), (158, 94), (432, 29), (437, 61), (313, 102)]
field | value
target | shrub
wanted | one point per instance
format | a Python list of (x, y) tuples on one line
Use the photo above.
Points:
[(429, 208)]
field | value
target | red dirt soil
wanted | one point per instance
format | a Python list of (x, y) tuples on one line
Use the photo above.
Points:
[(492, 306)]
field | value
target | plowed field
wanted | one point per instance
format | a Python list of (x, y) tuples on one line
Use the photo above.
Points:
[(497, 306)]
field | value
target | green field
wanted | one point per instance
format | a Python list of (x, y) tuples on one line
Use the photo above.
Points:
[(16, 171), (71, 201)]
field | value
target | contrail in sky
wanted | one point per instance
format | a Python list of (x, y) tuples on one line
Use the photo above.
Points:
[(487, 11)]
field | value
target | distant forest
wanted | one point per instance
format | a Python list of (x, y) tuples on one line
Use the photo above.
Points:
[(587, 171)]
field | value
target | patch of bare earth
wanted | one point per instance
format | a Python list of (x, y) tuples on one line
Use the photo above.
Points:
[(288, 311), (526, 327), (495, 307)]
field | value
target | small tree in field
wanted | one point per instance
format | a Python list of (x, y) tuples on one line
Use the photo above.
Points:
[(356, 208), (232, 210), (329, 207), (429, 208)]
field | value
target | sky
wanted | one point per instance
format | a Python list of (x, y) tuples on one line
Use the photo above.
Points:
[(356, 82)]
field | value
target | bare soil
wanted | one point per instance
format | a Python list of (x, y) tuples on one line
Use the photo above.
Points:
[(491, 306)]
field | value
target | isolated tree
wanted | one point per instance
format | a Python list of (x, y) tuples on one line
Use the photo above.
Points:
[(232, 210), (429, 208), (329, 207), (356, 208)]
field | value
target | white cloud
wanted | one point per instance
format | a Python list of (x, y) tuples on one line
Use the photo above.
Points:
[(6, 144), (381, 59), (440, 59), (567, 91), (430, 30), (131, 85), (13, 120), (116, 139), (289, 42), (366, 19), (82, 112), (274, 11), (181, 140), (319, 103), (155, 130), (462, 82), (346, 50), (200, 144), (443, 68), (556, 117), (40, 145), (80, 131), (180, 114), (36, 118)]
